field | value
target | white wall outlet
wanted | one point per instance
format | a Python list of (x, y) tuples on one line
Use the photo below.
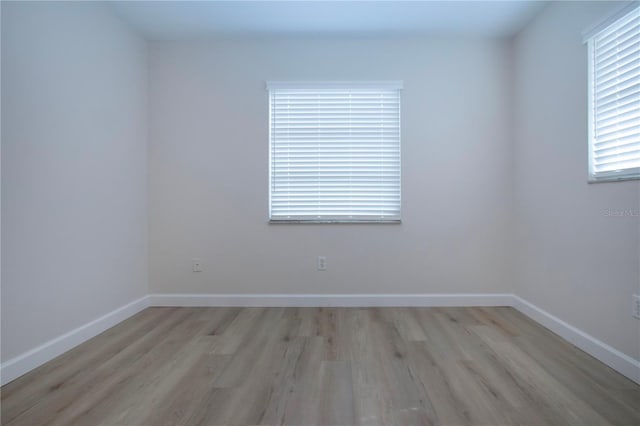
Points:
[(196, 265), (322, 263), (636, 306)]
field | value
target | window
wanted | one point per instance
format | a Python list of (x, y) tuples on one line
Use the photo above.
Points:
[(614, 86), (334, 152)]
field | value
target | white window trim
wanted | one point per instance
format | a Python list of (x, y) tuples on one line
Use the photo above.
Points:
[(391, 85), (313, 85), (588, 37)]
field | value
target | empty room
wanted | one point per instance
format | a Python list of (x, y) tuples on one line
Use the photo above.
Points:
[(320, 213)]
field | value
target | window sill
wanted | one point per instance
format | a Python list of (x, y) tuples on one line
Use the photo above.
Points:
[(333, 222), (609, 179)]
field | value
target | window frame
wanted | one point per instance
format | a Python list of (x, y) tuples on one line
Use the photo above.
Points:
[(312, 85), (626, 174)]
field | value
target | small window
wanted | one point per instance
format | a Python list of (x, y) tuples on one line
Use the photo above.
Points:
[(614, 86), (334, 152)]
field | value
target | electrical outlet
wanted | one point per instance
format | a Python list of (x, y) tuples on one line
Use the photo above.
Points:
[(196, 265), (636, 306), (322, 263)]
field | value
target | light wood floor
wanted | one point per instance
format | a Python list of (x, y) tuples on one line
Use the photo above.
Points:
[(308, 366)]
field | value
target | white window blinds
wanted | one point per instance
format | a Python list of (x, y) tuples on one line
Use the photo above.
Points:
[(615, 99), (335, 152)]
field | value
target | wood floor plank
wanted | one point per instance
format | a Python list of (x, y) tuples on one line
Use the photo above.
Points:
[(590, 366), (491, 379), (26, 391), (82, 381), (552, 394), (491, 317), (570, 371), (403, 389), (337, 399), (178, 406), (372, 406), (323, 366), (408, 324), (109, 378), (451, 407), (302, 406), (133, 391), (285, 382)]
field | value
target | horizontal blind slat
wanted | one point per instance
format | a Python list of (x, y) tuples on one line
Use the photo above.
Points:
[(620, 27), (617, 50), (620, 79), (616, 141)]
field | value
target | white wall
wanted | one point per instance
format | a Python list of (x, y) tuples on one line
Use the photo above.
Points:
[(74, 215), (573, 260), (209, 169)]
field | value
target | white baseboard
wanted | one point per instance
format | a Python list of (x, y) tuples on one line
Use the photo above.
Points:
[(32, 359), (610, 356), (331, 300)]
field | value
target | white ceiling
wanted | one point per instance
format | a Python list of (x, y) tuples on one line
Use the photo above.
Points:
[(170, 20)]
